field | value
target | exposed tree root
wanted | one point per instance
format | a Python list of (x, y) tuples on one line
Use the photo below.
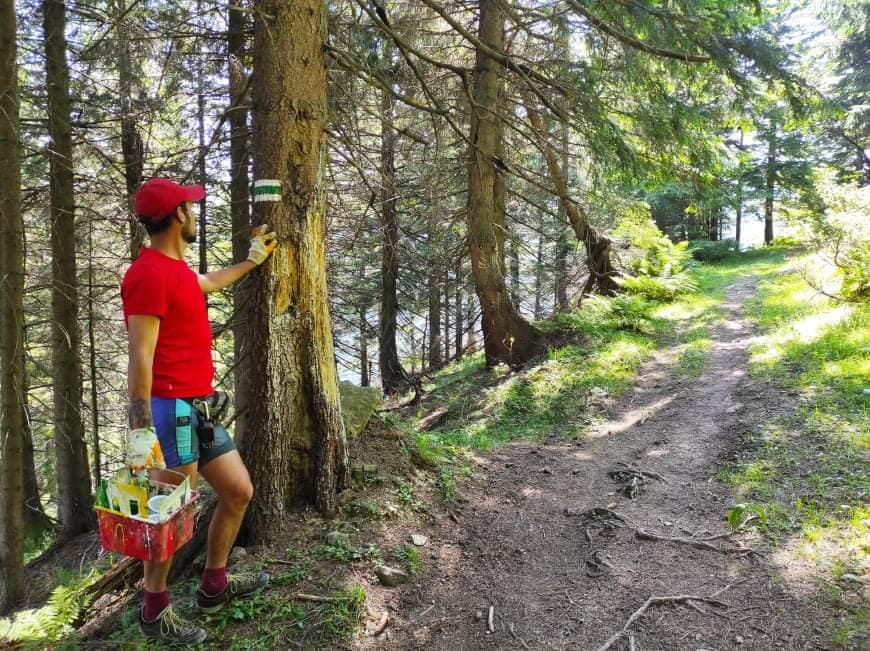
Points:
[(609, 520), (654, 601), (633, 478)]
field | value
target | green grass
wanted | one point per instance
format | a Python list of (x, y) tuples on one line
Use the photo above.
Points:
[(556, 397), (807, 477), (411, 558)]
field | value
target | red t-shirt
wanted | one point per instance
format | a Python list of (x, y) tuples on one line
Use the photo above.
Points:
[(160, 286)]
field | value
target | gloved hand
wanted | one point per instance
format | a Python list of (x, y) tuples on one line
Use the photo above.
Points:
[(262, 244), (143, 450)]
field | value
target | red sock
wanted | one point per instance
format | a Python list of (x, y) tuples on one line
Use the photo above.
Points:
[(155, 603), (214, 580)]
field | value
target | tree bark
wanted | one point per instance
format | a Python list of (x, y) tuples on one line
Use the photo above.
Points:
[(458, 315), (508, 337), (240, 206), (434, 290), (295, 445), (539, 277), (96, 454), (11, 323), (446, 315), (74, 502), (364, 379), (770, 184), (601, 271), (738, 209), (363, 349), (200, 133), (514, 258), (393, 377), (132, 148), (560, 281)]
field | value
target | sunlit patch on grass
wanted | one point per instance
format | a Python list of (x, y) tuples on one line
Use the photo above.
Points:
[(808, 330), (815, 501)]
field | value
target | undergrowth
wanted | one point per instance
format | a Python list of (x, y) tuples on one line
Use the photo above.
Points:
[(560, 395)]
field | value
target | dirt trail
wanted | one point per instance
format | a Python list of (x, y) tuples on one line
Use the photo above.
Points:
[(558, 581)]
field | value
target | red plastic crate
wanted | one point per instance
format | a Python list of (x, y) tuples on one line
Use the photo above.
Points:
[(147, 541)]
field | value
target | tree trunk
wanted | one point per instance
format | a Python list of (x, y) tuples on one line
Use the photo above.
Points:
[(200, 132), (240, 206), (363, 350), (508, 337), (96, 455), (392, 374), (471, 307), (434, 287), (562, 247), (364, 379), (132, 148), (738, 209), (295, 445), (539, 276), (458, 316), (11, 323), (713, 228), (514, 256), (74, 503), (770, 184), (601, 271), (36, 522), (446, 314)]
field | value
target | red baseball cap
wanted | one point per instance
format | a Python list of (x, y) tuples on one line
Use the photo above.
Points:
[(158, 198)]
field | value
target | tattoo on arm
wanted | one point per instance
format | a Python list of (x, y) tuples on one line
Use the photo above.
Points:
[(140, 413)]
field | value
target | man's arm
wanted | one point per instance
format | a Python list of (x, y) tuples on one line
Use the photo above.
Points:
[(142, 331), (215, 281), (262, 245)]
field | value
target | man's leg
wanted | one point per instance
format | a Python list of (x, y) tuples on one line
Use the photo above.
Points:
[(157, 620), (229, 478), (156, 574)]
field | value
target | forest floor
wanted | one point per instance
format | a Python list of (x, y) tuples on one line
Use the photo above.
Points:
[(559, 575), (554, 549), (714, 447)]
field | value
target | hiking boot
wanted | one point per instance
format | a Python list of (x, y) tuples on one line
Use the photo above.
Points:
[(238, 587), (171, 629)]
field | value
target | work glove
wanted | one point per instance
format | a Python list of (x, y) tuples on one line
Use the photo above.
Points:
[(262, 244), (143, 451)]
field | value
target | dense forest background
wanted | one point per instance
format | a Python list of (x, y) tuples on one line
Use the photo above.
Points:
[(461, 172)]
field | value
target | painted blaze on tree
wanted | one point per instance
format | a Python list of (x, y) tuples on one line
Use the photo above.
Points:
[(294, 443)]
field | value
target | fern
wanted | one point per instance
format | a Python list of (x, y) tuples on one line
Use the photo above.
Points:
[(54, 620), (660, 288)]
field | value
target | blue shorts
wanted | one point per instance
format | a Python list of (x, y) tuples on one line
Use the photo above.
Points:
[(175, 421)]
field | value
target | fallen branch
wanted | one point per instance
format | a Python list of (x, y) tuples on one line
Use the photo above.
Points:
[(432, 420), (300, 596), (654, 601), (490, 624)]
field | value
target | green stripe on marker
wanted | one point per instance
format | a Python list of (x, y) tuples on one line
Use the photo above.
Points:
[(267, 190)]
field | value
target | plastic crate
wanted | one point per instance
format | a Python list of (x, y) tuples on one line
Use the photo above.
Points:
[(146, 540)]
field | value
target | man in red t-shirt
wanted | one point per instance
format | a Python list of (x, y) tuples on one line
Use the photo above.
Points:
[(170, 366)]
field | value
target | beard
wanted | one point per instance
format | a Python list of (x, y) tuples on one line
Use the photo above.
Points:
[(189, 230)]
